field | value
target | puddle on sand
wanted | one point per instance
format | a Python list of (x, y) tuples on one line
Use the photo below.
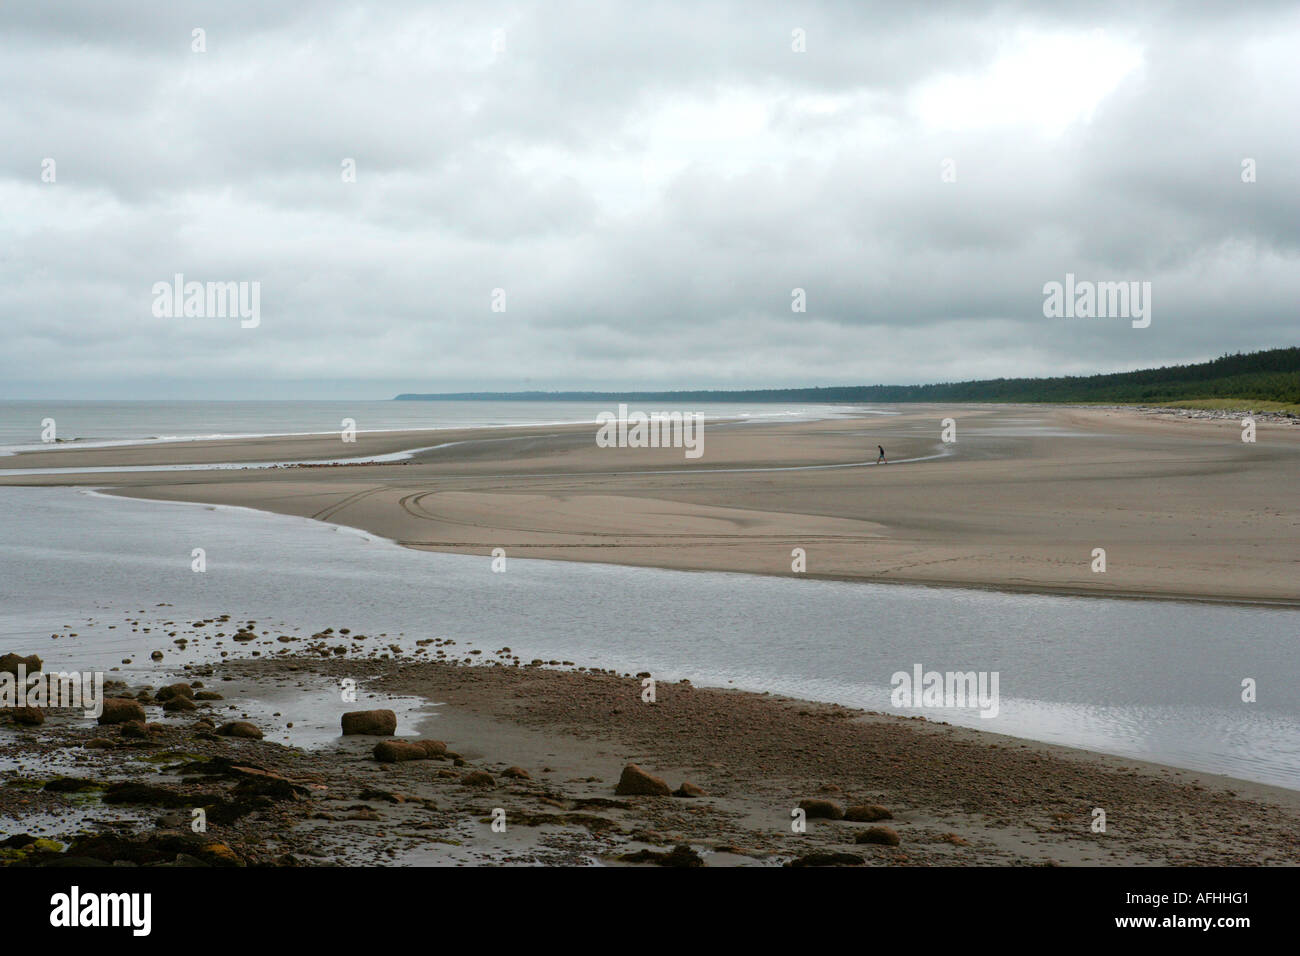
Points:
[(313, 705)]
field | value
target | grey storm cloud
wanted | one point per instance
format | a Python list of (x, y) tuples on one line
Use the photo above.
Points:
[(647, 183)]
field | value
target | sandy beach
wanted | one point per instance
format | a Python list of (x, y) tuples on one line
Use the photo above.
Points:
[(1182, 507)]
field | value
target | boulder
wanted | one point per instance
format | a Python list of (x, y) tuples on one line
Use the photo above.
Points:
[(9, 663), (821, 809), (139, 729), (635, 782), (680, 855), (175, 690), (119, 710), (373, 723), (28, 716), (156, 847), (885, 836), (239, 728), (478, 778), (256, 782), (397, 751)]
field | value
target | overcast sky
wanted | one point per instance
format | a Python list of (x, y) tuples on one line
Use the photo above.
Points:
[(646, 182)]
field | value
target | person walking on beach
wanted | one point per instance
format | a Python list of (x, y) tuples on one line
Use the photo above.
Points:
[(882, 455)]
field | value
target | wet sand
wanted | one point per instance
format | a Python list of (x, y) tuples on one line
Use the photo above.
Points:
[(1182, 507)]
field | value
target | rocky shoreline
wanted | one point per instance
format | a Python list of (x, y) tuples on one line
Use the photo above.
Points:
[(522, 764), (1208, 414)]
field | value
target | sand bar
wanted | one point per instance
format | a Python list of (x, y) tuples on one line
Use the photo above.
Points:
[(1183, 508)]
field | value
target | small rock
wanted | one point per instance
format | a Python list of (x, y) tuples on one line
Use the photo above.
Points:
[(688, 789), (478, 778)]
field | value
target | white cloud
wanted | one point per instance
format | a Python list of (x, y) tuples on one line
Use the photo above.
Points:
[(669, 183), (1043, 81)]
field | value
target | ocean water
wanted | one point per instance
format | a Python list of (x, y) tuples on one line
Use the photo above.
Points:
[(1154, 680), (21, 422)]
